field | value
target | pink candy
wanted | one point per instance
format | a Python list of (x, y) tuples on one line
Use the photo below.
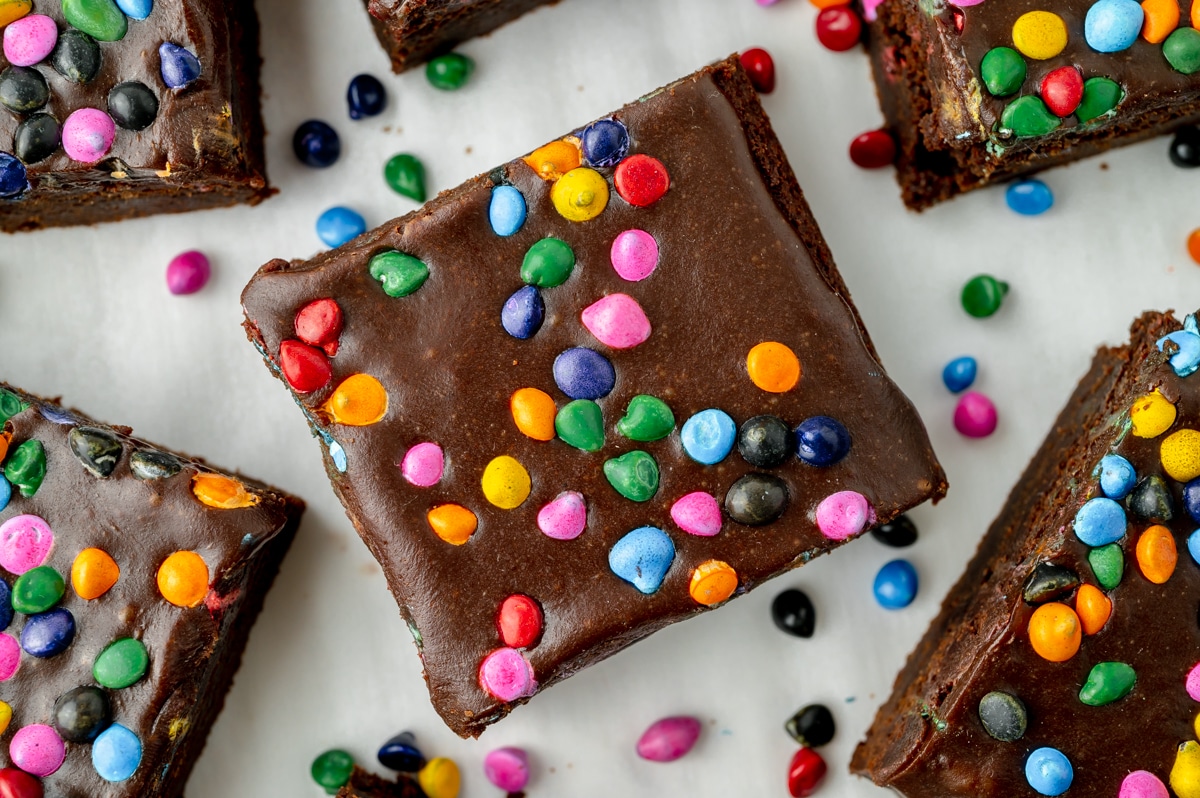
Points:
[(88, 134), (565, 517), (975, 416), (10, 657), (29, 40), (1142, 784), (697, 514), (507, 768), (506, 675), (25, 543), (1193, 682), (844, 515), (669, 739), (618, 321), (423, 465), (37, 750), (634, 255), (188, 272)]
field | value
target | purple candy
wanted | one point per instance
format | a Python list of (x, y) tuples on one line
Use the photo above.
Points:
[(975, 416), (669, 739), (179, 67), (88, 134), (583, 373), (507, 768), (29, 40), (188, 272)]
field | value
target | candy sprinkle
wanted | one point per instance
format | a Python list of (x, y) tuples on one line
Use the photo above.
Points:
[(1055, 632), (1093, 608), (519, 621), (1162, 17), (1099, 522), (874, 149), (793, 613), (761, 68), (580, 194), (183, 579), (507, 769), (565, 517), (1049, 772), (805, 773), (87, 135), (1033, 197), (533, 412), (708, 436), (712, 582), (93, 573), (12, 10), (331, 770), (188, 272), (1180, 454), (641, 180), (975, 415), (1185, 773), (1113, 25), (506, 212), (1156, 554), (180, 68), (506, 483), (316, 144), (365, 96), (222, 492), (1141, 783), (839, 28), (398, 273), (959, 374), (642, 558), (340, 224), (449, 72), (896, 585), (29, 40), (554, 160), (773, 367), (400, 753), (405, 174), (634, 255), (452, 523), (1039, 35), (669, 739), (306, 368), (440, 778), (812, 726), (1117, 476), (844, 514), (507, 676), (359, 401), (37, 749), (423, 465)]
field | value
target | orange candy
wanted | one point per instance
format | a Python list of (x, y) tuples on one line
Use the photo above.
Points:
[(1055, 632), (713, 582), (554, 160), (1193, 242), (533, 411), (1162, 17), (359, 401), (1195, 23), (773, 367), (452, 523), (1093, 608), (1156, 554), (183, 579), (93, 573), (221, 492)]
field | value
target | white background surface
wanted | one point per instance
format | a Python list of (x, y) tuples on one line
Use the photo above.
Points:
[(85, 314)]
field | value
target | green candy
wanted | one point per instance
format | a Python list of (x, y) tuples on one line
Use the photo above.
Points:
[(983, 295), (122, 663), (1108, 682), (1028, 116), (10, 405), (581, 424), (26, 467), (1182, 50), (37, 590), (1003, 71), (100, 19), (398, 273), (647, 419), (548, 263), (449, 72), (406, 175), (332, 769), (634, 475), (1108, 564), (1100, 95)]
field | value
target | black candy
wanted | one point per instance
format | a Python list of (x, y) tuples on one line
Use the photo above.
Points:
[(37, 138), (23, 89), (150, 464), (98, 449), (1185, 148), (132, 105), (1003, 716), (1151, 500), (81, 714), (812, 726), (793, 612), (756, 499), (1049, 582), (765, 441), (76, 56), (897, 533)]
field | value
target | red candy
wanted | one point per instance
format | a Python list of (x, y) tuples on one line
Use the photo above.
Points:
[(873, 149), (320, 323), (519, 621), (304, 367), (1062, 90), (805, 773), (839, 28), (19, 784), (641, 180), (761, 67)]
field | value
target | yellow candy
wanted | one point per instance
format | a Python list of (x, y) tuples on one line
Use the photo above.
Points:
[(440, 778), (452, 523), (555, 159), (1180, 454), (93, 573), (183, 579), (533, 411), (11, 11), (1151, 415), (1185, 773), (5, 716), (506, 483), (222, 492), (1055, 632), (358, 402), (1195, 726), (580, 194), (1039, 34), (1156, 554), (713, 582)]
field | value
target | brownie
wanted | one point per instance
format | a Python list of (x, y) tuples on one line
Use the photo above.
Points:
[(135, 574), (524, 478), (181, 141), (414, 31), (955, 134), (1127, 609), (367, 785)]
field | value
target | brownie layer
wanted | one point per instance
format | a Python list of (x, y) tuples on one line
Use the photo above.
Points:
[(367, 785)]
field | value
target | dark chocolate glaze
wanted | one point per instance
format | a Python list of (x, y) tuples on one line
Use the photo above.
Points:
[(193, 652), (205, 148), (927, 740), (741, 263)]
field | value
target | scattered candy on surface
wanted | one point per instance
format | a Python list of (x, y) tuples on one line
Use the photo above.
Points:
[(452, 523), (423, 465), (405, 174), (896, 585), (76, 57), (188, 272), (708, 436), (793, 612), (713, 581), (641, 180), (760, 67), (48, 634), (506, 483), (37, 749), (1055, 632), (634, 255), (339, 225), (1193, 245), (565, 517), (1039, 35), (1003, 71), (1180, 455), (116, 753), (132, 105), (982, 295), (756, 499), (533, 412), (773, 367), (1099, 522), (1031, 197), (506, 675), (548, 263), (523, 313), (844, 514), (648, 418), (365, 96), (874, 149), (305, 367), (398, 273), (697, 513), (29, 40), (765, 441), (183, 579), (634, 475), (1003, 716), (959, 374), (81, 714), (1113, 25), (400, 753), (1142, 784), (100, 19), (449, 72), (1107, 682), (580, 195), (898, 533), (605, 142), (805, 773), (23, 89), (319, 323), (506, 211), (1185, 148), (25, 543), (331, 770), (180, 68), (975, 415), (1048, 771), (519, 621), (617, 321), (839, 28), (440, 778), (37, 590), (822, 441), (121, 664), (507, 768), (812, 726), (316, 144), (1093, 608), (581, 424), (642, 558), (669, 739), (87, 135)]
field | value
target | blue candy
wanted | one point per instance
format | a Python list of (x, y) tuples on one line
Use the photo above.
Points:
[(1186, 359), (401, 753), (48, 633), (1193, 544), (366, 96), (583, 373), (523, 313), (1100, 522), (58, 415), (13, 180), (1117, 476), (506, 213), (116, 753), (6, 610), (316, 144), (959, 373), (1029, 197), (1048, 771), (822, 441), (179, 67), (896, 585), (338, 225), (1113, 25), (5, 492), (338, 455), (708, 436), (604, 143), (642, 558), (1191, 499), (136, 9)]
